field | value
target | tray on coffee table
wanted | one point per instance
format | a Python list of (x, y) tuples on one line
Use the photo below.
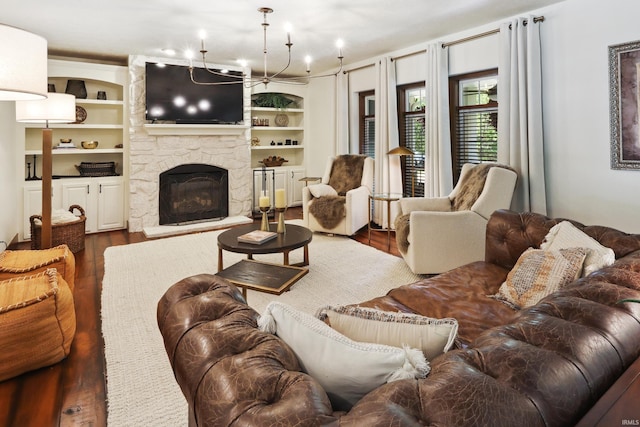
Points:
[(262, 276)]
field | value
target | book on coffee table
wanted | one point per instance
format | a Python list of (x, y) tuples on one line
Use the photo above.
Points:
[(257, 237)]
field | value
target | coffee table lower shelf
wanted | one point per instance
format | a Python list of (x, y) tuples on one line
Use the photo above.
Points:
[(262, 276)]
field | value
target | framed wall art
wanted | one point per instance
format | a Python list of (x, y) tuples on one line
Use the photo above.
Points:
[(624, 85)]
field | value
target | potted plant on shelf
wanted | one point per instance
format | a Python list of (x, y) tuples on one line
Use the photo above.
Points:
[(275, 100)]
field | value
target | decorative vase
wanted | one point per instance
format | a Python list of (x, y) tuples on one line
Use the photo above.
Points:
[(77, 88), (51, 87), (282, 120)]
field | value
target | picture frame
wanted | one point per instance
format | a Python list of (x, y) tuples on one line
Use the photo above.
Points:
[(624, 89)]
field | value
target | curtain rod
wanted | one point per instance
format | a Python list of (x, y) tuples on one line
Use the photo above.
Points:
[(486, 33), (451, 43)]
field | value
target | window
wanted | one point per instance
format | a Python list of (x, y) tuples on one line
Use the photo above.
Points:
[(367, 124), (474, 119), (411, 124)]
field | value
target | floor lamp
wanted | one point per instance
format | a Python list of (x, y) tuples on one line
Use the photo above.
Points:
[(57, 108), (404, 151)]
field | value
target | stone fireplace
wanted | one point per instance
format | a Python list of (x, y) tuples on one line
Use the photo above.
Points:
[(153, 151), (192, 193)]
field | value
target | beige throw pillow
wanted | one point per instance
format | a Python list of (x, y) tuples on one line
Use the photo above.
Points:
[(319, 190), (432, 336), (538, 273), (565, 235), (346, 369)]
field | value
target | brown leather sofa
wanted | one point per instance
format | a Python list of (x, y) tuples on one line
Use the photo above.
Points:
[(541, 366)]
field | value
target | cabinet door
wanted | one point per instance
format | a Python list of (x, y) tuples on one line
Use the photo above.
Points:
[(78, 192), (295, 187), (281, 179), (260, 181), (32, 205), (110, 204)]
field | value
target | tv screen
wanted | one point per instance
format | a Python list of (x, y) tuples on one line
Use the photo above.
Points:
[(172, 96)]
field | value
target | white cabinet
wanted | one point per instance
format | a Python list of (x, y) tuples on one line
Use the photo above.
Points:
[(102, 199)]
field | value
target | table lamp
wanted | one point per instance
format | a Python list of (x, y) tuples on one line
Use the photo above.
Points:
[(404, 151), (56, 108)]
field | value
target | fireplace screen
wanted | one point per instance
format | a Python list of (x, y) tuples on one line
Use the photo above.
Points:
[(192, 193)]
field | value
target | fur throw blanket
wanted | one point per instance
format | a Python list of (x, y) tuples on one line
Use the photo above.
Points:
[(346, 174), (328, 210), (470, 189)]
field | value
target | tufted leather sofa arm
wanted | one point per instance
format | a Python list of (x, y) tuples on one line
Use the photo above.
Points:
[(229, 371)]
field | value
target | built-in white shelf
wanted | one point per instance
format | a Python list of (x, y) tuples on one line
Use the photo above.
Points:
[(277, 147), (67, 151), (275, 128), (171, 129), (275, 110)]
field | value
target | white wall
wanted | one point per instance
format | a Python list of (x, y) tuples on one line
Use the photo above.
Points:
[(581, 184), (575, 36), (8, 189)]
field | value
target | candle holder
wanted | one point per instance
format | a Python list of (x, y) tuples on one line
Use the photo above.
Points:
[(264, 225), (281, 227)]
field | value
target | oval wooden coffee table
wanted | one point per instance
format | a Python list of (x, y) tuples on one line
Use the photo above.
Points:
[(295, 237)]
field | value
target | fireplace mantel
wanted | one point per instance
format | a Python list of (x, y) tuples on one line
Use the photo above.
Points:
[(171, 129)]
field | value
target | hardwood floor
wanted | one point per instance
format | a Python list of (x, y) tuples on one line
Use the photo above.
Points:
[(73, 392)]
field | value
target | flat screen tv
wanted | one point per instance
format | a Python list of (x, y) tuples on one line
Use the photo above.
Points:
[(172, 96)]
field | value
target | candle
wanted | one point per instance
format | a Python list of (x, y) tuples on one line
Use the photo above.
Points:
[(280, 199), (264, 201)]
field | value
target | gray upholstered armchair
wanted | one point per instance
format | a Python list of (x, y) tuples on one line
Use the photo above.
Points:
[(437, 234), (340, 203)]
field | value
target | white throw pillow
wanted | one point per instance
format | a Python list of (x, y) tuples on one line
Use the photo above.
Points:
[(432, 336), (319, 190), (565, 235), (346, 369)]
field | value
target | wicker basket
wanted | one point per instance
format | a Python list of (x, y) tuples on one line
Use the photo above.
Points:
[(69, 233)]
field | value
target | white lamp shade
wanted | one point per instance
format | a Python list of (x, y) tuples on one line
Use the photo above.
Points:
[(23, 65), (57, 108)]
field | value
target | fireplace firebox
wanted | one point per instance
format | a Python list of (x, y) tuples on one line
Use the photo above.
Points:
[(193, 193)]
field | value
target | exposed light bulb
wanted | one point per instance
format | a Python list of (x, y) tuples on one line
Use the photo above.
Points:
[(243, 62), (339, 45), (307, 60)]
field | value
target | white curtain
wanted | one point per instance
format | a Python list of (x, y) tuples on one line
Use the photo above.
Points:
[(388, 175), (342, 114), (438, 169), (520, 138)]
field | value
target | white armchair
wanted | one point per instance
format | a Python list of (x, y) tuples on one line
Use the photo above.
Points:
[(437, 234), (340, 203)]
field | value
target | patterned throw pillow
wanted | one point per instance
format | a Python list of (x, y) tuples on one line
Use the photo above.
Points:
[(538, 273), (346, 369), (432, 336), (566, 235)]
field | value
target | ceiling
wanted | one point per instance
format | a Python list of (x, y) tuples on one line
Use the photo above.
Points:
[(111, 30)]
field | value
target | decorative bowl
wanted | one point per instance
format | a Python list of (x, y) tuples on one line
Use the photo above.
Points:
[(65, 140), (273, 161), (89, 145)]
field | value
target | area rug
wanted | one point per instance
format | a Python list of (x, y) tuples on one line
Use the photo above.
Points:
[(141, 389)]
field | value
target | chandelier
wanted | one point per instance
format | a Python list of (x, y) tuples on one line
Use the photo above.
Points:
[(266, 78)]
